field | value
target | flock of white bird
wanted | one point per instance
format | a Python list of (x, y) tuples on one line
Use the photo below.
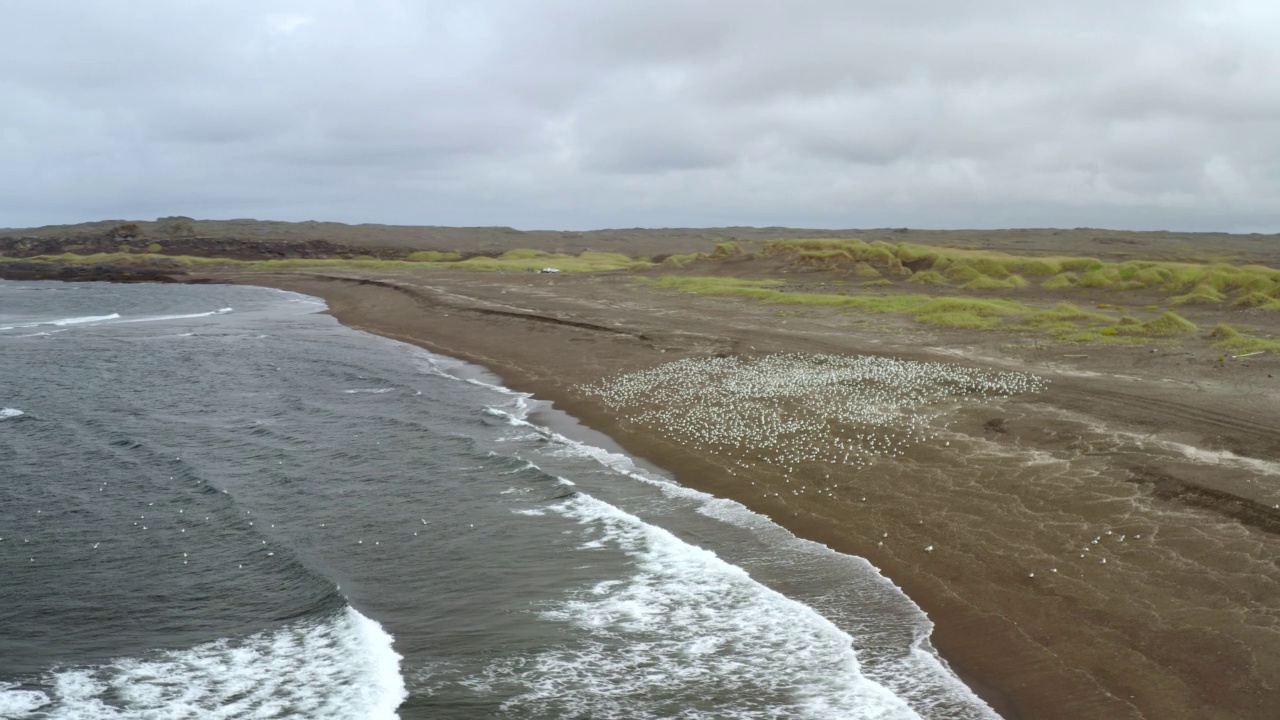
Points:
[(786, 410), (789, 409)]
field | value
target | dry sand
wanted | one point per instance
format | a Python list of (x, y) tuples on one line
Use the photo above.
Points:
[(1182, 622)]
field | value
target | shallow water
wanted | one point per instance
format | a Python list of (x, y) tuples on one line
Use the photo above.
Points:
[(219, 503)]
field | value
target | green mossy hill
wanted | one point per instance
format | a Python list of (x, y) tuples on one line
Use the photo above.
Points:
[(970, 269)]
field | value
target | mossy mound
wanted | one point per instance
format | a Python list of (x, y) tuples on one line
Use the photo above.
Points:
[(962, 273), (863, 271), (928, 277), (1060, 282), (984, 282), (1223, 331), (1097, 279), (1199, 295), (1253, 300), (1167, 325)]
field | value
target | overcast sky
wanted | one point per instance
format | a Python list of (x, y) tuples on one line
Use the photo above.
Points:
[(578, 114)]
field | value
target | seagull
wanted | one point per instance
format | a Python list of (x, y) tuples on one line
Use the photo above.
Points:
[(929, 549), (95, 545)]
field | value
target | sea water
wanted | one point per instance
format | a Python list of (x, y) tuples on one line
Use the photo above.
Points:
[(216, 501)]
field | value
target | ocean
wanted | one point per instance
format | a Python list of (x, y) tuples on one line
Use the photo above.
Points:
[(218, 502)]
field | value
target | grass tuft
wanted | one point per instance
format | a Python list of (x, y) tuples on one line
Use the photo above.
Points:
[(984, 282), (1199, 295), (1059, 282), (1098, 278), (1167, 325), (928, 277), (1224, 331)]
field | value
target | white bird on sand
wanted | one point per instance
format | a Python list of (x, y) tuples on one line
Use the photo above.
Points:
[(929, 549)]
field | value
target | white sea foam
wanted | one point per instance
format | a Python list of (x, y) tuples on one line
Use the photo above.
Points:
[(63, 322), (157, 318), (688, 627), (344, 667), (368, 391), (6, 413), (15, 703), (83, 320)]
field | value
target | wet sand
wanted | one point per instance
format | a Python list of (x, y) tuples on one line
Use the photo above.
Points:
[(1173, 471)]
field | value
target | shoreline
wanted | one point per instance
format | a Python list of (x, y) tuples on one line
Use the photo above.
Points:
[(565, 416), (1030, 649)]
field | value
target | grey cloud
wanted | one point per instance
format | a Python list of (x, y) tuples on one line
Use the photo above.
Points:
[(570, 113)]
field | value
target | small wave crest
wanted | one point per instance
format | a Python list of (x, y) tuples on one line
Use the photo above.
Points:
[(63, 322), (342, 666), (158, 318), (6, 413)]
